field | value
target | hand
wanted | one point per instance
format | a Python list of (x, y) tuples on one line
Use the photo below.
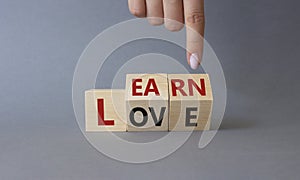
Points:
[(173, 13)]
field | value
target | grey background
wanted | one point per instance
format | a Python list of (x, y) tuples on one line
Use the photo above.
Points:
[(256, 41)]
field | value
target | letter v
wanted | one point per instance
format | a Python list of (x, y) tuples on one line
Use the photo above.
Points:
[(161, 115)]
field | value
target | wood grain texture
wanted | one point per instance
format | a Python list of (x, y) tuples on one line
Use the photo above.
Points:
[(189, 109), (114, 109), (155, 106)]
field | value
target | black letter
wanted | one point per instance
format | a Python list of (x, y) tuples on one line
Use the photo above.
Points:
[(189, 116), (145, 116), (161, 115)]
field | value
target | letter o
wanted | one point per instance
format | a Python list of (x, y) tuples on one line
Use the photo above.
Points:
[(145, 116)]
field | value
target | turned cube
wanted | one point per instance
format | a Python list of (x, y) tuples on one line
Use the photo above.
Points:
[(190, 102), (147, 102)]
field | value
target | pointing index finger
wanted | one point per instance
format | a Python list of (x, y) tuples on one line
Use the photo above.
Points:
[(194, 20)]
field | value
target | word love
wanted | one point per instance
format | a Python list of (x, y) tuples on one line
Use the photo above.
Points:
[(151, 102)]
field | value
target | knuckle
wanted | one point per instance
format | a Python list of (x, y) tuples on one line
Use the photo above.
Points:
[(137, 12), (155, 21), (195, 17), (171, 26)]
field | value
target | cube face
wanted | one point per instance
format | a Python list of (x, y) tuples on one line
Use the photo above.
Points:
[(105, 110), (190, 102), (189, 115), (147, 102)]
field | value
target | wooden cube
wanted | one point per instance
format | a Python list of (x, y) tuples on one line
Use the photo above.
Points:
[(147, 102), (105, 110), (190, 102)]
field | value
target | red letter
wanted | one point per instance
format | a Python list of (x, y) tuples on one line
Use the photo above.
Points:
[(154, 89), (135, 87), (192, 84), (179, 88), (101, 120)]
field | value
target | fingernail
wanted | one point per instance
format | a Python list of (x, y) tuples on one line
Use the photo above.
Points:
[(194, 62)]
